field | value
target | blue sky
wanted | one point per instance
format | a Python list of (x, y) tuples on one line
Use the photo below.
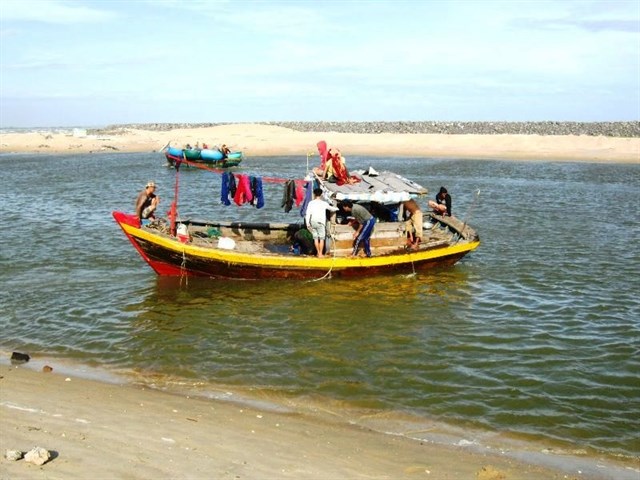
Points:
[(94, 63)]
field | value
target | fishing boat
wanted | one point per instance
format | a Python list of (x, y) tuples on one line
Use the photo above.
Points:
[(176, 246), (207, 156), (214, 154)]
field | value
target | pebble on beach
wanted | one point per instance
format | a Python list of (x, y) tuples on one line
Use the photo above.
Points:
[(37, 456), (13, 455), (17, 357)]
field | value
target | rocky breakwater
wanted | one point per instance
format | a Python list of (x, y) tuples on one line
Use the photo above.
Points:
[(605, 129)]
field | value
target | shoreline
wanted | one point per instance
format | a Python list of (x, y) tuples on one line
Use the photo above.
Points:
[(83, 416), (257, 140)]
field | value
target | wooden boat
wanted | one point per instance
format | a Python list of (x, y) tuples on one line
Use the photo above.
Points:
[(209, 156), (240, 250)]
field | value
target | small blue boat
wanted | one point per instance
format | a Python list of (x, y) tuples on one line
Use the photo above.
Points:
[(208, 156), (211, 154)]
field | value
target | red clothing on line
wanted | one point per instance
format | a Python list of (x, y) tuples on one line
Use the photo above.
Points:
[(243, 190)]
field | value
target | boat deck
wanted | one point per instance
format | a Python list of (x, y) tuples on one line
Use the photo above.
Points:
[(277, 239)]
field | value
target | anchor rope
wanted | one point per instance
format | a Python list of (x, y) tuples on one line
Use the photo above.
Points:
[(183, 270), (333, 256), (468, 215)]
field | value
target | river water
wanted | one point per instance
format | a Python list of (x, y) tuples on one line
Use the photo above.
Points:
[(534, 337)]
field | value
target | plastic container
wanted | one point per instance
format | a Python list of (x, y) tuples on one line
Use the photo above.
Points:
[(226, 243), (183, 233)]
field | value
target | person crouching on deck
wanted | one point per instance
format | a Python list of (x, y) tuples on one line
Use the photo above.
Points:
[(442, 204), (413, 225), (366, 222), (147, 202)]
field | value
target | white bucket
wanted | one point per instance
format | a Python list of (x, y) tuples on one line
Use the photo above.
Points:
[(183, 233), (226, 243)]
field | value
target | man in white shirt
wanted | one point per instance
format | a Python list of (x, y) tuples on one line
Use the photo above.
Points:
[(316, 220)]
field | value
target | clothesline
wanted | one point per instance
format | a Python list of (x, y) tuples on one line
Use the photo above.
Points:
[(222, 170)]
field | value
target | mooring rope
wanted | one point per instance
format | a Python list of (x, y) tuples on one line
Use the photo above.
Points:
[(468, 215), (183, 270), (333, 256)]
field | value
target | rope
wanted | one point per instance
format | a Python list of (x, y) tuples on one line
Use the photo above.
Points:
[(468, 215), (333, 256), (183, 270), (222, 170)]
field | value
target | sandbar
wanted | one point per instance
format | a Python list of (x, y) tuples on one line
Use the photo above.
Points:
[(256, 140)]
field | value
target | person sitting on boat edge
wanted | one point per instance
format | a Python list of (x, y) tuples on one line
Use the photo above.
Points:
[(336, 169), (366, 222), (316, 220), (442, 205), (147, 202), (225, 150), (413, 225)]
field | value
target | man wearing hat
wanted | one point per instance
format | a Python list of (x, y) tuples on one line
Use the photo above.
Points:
[(147, 202)]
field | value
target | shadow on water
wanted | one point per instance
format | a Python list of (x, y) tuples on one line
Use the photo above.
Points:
[(301, 334), (386, 298)]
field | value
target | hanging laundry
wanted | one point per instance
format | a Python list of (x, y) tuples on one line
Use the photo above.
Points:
[(288, 195), (232, 184), (299, 192), (256, 191), (243, 192), (308, 194), (252, 184), (224, 191)]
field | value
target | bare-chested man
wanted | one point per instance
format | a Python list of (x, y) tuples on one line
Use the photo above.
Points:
[(413, 225)]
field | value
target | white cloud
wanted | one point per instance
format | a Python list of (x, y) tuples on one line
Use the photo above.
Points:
[(51, 11)]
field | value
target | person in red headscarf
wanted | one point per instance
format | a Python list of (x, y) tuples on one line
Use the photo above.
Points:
[(324, 155), (336, 169)]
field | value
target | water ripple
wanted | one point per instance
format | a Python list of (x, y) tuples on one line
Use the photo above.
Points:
[(536, 333)]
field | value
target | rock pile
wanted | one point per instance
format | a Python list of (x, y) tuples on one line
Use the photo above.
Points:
[(606, 129), (37, 455)]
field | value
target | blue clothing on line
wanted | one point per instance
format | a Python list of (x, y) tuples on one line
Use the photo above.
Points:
[(224, 191)]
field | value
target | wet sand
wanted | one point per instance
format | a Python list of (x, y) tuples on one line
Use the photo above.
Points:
[(98, 429), (264, 140)]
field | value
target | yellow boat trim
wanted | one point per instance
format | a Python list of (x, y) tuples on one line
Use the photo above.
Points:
[(295, 262)]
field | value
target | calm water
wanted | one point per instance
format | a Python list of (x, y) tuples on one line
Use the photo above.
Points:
[(534, 336)]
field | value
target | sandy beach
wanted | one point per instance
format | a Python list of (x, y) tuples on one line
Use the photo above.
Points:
[(256, 140), (97, 429)]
